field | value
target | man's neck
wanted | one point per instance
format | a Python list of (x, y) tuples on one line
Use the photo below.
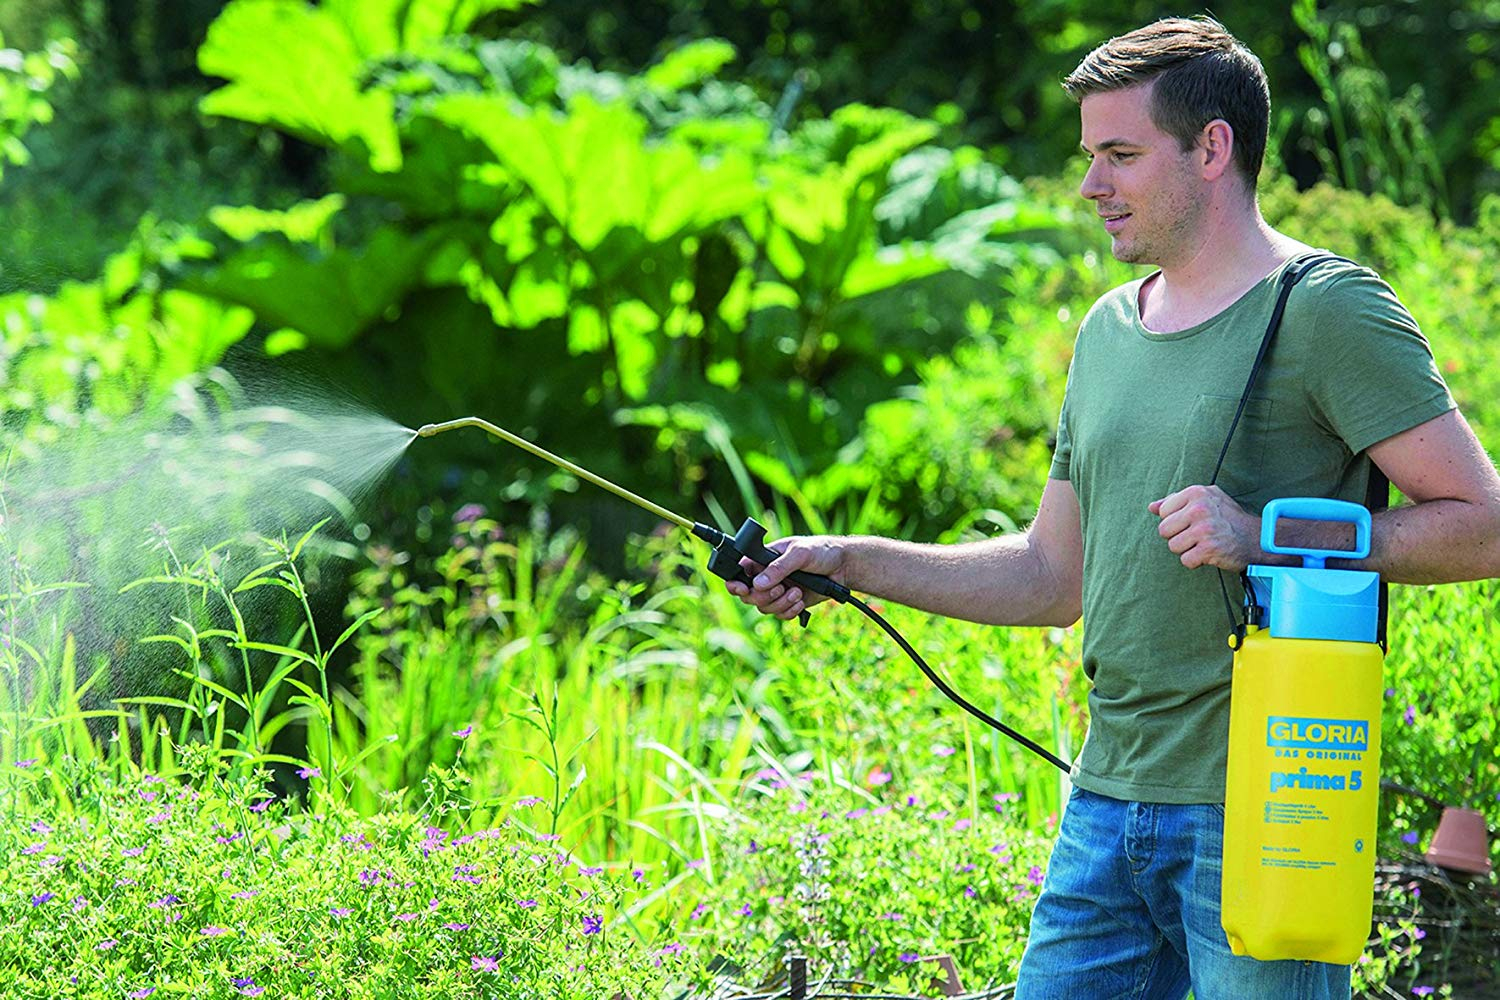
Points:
[(1237, 250)]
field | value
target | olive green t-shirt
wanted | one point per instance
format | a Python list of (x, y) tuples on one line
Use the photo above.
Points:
[(1145, 415)]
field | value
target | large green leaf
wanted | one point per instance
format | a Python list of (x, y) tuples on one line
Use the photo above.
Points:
[(593, 171), (296, 68), (690, 65), (329, 297), (305, 222), (381, 27)]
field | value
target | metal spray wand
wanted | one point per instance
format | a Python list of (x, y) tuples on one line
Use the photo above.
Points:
[(749, 542)]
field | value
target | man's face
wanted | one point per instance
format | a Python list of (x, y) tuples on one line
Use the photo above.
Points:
[(1147, 190)]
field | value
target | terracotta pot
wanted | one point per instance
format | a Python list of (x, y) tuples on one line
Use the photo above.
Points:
[(1461, 842)]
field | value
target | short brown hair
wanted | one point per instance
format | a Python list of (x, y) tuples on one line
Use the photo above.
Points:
[(1202, 72)]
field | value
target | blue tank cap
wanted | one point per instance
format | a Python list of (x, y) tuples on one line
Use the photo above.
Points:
[(1311, 601)]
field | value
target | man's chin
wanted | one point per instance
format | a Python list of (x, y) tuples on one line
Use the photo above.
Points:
[(1127, 252)]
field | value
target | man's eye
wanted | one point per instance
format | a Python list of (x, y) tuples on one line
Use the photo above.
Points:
[(1122, 157)]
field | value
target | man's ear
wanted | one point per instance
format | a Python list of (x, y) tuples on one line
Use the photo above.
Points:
[(1216, 149)]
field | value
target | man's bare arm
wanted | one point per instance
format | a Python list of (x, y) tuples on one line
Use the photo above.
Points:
[(1031, 578), (1450, 531)]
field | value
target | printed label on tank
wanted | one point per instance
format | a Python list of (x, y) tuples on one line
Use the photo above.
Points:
[(1317, 734), (1303, 780)]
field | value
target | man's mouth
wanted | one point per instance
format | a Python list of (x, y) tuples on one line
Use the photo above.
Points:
[(1114, 221)]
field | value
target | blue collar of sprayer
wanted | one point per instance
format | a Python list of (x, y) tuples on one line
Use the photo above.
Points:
[(1312, 601)]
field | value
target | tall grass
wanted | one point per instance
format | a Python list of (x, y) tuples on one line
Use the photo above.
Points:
[(637, 712)]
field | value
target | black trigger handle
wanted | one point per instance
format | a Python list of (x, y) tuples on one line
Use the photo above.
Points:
[(749, 543)]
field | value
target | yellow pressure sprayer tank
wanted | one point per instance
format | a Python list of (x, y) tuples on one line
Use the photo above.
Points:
[(1304, 752)]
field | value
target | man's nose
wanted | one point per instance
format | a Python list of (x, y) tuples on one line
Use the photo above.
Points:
[(1094, 184)]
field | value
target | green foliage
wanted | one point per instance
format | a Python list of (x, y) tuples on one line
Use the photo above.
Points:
[(864, 886), (107, 348), (188, 882), (25, 78), (644, 240), (1440, 738), (1378, 143)]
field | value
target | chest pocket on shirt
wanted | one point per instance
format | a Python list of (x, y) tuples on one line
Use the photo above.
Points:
[(1203, 436)]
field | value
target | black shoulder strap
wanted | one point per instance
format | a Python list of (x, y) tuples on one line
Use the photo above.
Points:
[(1378, 498), (1289, 278), (1377, 493)]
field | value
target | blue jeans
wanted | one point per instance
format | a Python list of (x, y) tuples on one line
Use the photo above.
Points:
[(1130, 909)]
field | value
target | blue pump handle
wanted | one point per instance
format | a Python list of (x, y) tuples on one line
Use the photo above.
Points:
[(1316, 509)]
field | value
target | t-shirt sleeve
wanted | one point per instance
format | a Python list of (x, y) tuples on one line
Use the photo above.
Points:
[(1370, 373), (1062, 453)]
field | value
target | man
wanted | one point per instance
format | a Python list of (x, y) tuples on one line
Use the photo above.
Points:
[(1175, 119)]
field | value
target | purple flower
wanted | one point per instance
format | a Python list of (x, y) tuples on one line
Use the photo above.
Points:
[(247, 987), (212, 931), (963, 824), (247, 894), (39, 900), (1418, 934), (970, 892), (592, 924), (1409, 837), (133, 852), (36, 848), (699, 911), (406, 918), (943, 750), (340, 911), (1034, 876), (142, 994), (526, 904), (465, 732), (309, 772), (639, 873), (106, 944), (878, 777), (468, 512), (261, 806), (908, 956), (529, 800), (480, 964), (745, 910), (164, 902), (434, 841), (24, 764), (41, 828), (1422, 991), (456, 927), (1410, 715), (590, 870)]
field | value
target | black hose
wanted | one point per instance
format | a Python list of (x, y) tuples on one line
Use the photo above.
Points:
[(942, 686)]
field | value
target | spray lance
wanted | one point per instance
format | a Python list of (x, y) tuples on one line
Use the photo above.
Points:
[(747, 543)]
